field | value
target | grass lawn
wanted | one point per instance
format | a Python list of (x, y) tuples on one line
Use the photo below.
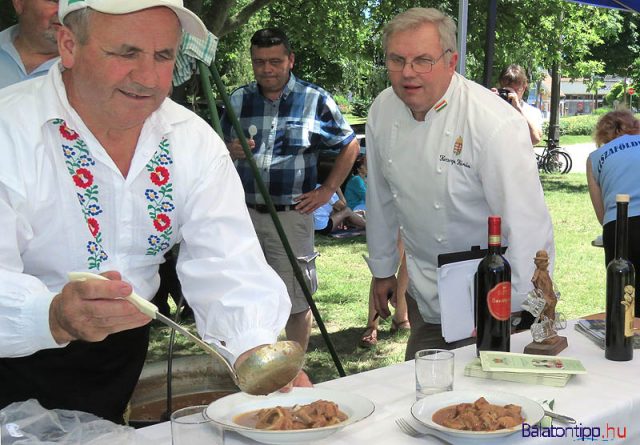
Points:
[(571, 139), (344, 285)]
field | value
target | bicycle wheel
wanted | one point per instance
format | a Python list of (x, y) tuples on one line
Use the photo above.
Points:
[(569, 164), (557, 161)]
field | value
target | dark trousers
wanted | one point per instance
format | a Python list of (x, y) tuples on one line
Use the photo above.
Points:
[(427, 335), (98, 378), (633, 245)]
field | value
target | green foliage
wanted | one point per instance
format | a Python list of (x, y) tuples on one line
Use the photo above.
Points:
[(602, 110), (343, 103), (575, 125), (360, 107)]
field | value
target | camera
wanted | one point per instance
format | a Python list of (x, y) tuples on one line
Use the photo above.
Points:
[(504, 93)]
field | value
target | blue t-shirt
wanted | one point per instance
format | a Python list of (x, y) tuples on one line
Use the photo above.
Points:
[(355, 192), (321, 214), (615, 168)]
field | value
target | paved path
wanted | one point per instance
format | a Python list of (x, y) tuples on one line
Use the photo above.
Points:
[(579, 154)]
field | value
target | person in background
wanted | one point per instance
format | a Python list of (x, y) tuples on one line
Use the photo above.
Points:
[(514, 79), (400, 319), (295, 120), (102, 172), (356, 189), (28, 49), (335, 215), (442, 155), (613, 169)]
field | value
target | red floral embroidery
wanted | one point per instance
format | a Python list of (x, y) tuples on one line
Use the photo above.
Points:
[(83, 178), (94, 226), (68, 133), (162, 222), (159, 176)]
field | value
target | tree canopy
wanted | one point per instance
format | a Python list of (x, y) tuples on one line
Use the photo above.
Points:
[(337, 42)]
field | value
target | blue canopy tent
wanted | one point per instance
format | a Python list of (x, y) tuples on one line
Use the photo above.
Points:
[(626, 5)]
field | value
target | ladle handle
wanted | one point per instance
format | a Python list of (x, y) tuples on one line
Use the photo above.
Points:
[(151, 310), (206, 346)]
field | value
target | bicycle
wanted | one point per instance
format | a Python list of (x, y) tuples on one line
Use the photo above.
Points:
[(553, 159)]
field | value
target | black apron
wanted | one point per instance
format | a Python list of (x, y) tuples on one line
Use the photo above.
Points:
[(98, 378)]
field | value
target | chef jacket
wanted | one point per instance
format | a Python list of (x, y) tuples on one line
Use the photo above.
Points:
[(438, 180), (65, 206)]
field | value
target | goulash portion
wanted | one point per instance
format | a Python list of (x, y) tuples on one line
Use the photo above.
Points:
[(299, 417), (479, 416)]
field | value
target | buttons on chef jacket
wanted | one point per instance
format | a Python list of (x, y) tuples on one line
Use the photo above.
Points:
[(390, 161), (395, 196), (439, 169), (448, 133), (437, 205), (440, 239)]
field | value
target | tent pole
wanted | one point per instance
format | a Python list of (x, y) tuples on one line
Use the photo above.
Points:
[(490, 41), (463, 18)]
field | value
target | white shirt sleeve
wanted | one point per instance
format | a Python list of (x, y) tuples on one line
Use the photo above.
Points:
[(24, 300), (382, 222)]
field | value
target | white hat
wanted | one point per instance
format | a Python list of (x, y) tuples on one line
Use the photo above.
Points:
[(190, 22)]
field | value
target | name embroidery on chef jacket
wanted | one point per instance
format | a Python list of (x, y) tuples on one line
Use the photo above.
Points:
[(457, 150), (159, 194)]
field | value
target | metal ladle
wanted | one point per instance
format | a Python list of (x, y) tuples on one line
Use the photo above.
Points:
[(266, 370)]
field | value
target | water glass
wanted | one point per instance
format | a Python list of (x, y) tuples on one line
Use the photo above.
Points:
[(434, 372), (191, 426)]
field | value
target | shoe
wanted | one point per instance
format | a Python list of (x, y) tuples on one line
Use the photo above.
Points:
[(369, 338), (401, 326)]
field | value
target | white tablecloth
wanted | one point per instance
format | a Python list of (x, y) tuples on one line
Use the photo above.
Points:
[(606, 397)]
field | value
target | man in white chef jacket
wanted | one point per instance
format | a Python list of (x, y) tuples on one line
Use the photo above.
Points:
[(101, 172), (443, 154)]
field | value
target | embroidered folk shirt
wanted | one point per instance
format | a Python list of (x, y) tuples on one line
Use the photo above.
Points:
[(65, 206), (291, 132), (438, 180)]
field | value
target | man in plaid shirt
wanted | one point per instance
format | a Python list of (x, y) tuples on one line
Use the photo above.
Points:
[(295, 120)]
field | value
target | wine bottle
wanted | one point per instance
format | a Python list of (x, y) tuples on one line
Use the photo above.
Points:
[(493, 296), (618, 343)]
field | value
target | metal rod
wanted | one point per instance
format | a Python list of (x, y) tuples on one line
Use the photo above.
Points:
[(274, 216), (211, 101)]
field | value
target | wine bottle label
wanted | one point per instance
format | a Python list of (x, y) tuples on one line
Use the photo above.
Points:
[(629, 303), (499, 301), (494, 240)]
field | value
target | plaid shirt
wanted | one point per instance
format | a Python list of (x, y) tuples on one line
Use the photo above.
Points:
[(291, 132)]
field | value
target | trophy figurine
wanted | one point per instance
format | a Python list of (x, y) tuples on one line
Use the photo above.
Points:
[(541, 303)]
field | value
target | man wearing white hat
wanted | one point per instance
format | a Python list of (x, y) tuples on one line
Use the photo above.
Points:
[(103, 173)]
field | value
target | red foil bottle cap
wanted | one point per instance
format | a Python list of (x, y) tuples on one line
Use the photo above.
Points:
[(494, 230)]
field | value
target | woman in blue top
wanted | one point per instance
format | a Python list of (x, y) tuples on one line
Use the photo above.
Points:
[(356, 188), (613, 169)]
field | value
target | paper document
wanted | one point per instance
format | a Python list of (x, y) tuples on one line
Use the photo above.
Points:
[(455, 292), (542, 364)]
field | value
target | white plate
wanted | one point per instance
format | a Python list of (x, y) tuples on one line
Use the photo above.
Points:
[(223, 410), (423, 410)]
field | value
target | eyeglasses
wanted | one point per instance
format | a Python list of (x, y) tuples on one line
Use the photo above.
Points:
[(421, 65)]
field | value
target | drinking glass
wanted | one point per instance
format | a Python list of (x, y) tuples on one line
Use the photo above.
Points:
[(191, 426), (434, 372)]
